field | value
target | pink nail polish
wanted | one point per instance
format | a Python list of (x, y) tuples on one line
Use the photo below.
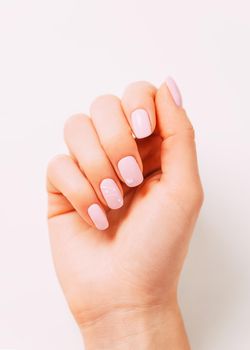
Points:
[(130, 171), (111, 193), (174, 90), (141, 123), (98, 216)]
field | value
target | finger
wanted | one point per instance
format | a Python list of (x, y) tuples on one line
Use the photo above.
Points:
[(116, 139), (138, 104), (66, 178), (178, 158), (83, 143)]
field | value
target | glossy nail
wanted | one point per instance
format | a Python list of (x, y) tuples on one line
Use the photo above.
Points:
[(174, 90), (98, 216), (111, 193), (130, 171), (141, 123)]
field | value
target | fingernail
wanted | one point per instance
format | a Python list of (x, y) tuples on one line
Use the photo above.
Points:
[(98, 216), (141, 123), (111, 193), (174, 90), (130, 171)]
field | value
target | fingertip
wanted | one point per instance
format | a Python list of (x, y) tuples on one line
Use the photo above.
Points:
[(139, 107), (141, 125), (172, 118)]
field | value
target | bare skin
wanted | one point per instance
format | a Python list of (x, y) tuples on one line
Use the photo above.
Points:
[(121, 283)]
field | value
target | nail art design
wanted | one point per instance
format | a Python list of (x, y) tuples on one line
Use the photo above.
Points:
[(111, 193)]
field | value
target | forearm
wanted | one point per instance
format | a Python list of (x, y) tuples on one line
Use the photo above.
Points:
[(155, 329)]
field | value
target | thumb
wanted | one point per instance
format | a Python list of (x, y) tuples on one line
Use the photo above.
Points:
[(178, 152)]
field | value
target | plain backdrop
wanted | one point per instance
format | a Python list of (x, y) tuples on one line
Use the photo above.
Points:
[(55, 57)]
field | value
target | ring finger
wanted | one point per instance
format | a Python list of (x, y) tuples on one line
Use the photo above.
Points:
[(84, 145), (116, 138)]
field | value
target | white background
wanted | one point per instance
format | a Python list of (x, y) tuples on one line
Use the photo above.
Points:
[(55, 57)]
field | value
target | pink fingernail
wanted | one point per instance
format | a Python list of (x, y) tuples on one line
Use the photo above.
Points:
[(174, 90), (111, 193), (130, 171), (98, 216), (141, 123)]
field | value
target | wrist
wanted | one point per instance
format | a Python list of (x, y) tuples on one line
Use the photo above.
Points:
[(154, 328)]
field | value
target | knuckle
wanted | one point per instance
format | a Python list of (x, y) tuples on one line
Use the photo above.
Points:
[(54, 162), (101, 100), (74, 121), (196, 196), (56, 159), (140, 85)]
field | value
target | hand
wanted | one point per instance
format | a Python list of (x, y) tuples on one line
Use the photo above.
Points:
[(119, 238)]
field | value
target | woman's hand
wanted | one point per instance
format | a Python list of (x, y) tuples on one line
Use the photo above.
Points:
[(121, 214)]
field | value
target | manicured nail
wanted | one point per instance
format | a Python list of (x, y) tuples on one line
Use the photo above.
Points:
[(111, 193), (130, 171), (174, 90), (141, 123), (98, 216)]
